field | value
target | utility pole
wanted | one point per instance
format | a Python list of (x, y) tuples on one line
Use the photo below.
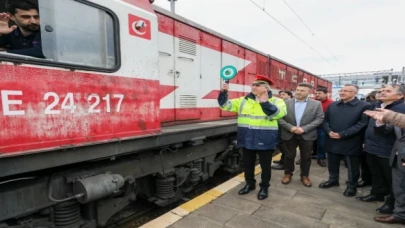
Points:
[(172, 5)]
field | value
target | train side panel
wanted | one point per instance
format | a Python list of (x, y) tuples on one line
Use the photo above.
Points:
[(47, 107), (278, 74)]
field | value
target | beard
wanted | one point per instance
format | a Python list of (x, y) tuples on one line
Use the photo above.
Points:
[(31, 27)]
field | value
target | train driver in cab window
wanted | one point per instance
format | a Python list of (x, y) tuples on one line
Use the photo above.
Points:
[(23, 38)]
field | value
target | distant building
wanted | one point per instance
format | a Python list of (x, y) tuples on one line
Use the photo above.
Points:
[(367, 81)]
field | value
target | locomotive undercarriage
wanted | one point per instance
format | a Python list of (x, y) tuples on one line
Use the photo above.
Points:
[(89, 194)]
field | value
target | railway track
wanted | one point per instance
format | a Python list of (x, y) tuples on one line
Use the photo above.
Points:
[(143, 211)]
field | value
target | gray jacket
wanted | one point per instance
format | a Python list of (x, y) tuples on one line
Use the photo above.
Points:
[(399, 145), (312, 118)]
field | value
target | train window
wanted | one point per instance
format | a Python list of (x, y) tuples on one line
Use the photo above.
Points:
[(70, 32), (73, 32)]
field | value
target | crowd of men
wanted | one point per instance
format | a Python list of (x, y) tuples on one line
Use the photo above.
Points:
[(330, 131)]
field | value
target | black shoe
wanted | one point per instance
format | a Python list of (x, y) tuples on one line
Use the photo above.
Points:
[(328, 184), (278, 166), (263, 193), (350, 192), (370, 198), (245, 190), (363, 183), (321, 162), (277, 162), (385, 209)]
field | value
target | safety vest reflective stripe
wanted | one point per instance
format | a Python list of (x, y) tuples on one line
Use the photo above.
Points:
[(227, 106), (254, 117), (241, 105), (257, 117), (258, 127), (257, 122)]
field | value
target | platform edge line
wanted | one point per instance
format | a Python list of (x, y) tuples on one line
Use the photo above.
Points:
[(187, 208)]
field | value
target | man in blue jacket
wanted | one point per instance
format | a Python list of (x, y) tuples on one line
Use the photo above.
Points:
[(257, 132), (378, 148)]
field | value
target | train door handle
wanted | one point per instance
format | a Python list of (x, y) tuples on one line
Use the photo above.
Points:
[(186, 58), (176, 72), (165, 53)]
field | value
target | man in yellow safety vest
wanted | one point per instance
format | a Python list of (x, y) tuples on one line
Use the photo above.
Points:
[(258, 113)]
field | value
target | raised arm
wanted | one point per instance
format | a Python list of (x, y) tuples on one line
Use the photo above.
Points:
[(225, 104), (274, 110), (394, 118)]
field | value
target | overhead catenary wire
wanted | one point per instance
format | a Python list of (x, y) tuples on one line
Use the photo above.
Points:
[(281, 24), (310, 30)]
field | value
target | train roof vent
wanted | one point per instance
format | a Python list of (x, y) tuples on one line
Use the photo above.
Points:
[(187, 45), (188, 101)]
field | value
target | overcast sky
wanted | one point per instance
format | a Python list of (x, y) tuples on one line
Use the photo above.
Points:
[(363, 35)]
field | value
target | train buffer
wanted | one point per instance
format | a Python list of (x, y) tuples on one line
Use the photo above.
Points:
[(292, 205)]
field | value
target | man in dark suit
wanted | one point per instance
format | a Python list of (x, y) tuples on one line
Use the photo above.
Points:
[(378, 148), (298, 128), (397, 163), (398, 180), (345, 124)]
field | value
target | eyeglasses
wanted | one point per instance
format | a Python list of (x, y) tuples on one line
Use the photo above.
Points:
[(346, 91)]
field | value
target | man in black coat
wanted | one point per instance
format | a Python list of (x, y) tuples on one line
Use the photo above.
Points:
[(345, 123), (365, 173), (378, 148)]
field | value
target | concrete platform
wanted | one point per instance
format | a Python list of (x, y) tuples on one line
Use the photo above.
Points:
[(292, 205)]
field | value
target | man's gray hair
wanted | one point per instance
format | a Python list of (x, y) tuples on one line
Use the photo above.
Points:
[(353, 85), (399, 88), (267, 86)]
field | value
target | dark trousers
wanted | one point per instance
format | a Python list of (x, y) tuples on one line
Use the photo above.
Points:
[(381, 175), (365, 172), (282, 149), (320, 144), (249, 161), (282, 158), (315, 148), (398, 178), (291, 151), (353, 168)]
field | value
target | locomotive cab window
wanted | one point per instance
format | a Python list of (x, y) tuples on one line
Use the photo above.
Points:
[(68, 32)]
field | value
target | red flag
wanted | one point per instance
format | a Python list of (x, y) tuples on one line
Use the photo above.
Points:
[(144, 32)]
